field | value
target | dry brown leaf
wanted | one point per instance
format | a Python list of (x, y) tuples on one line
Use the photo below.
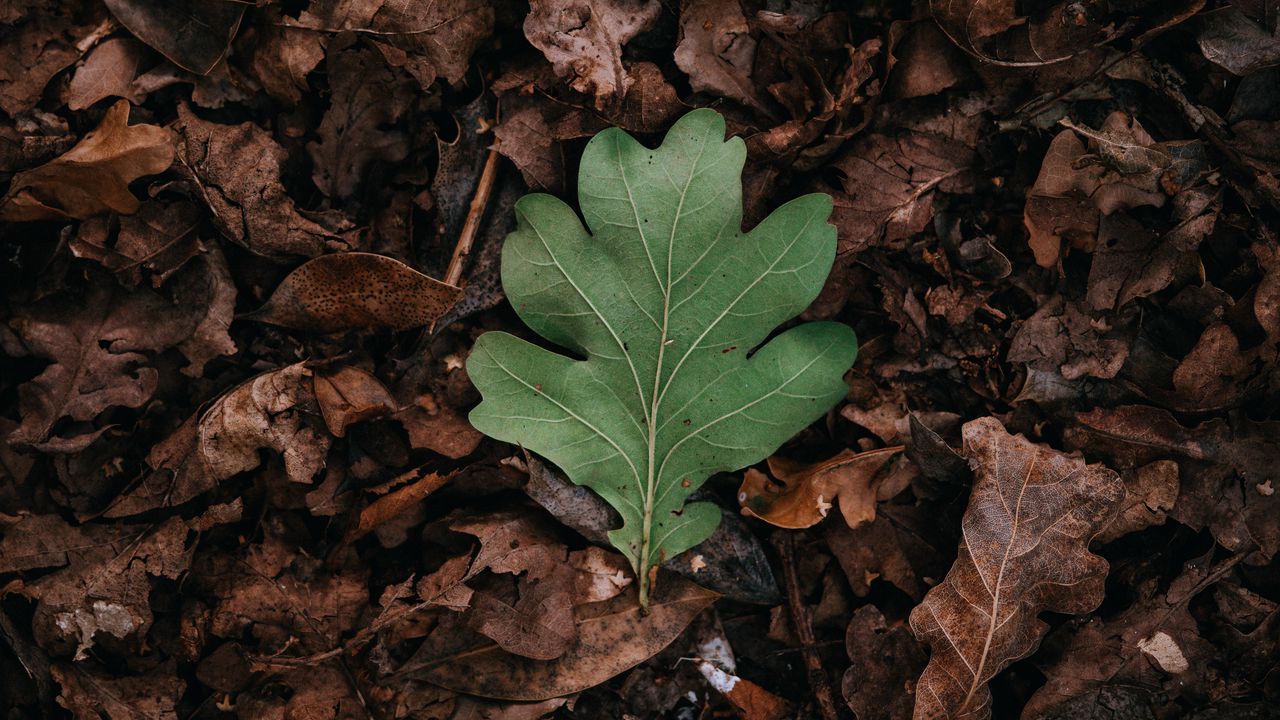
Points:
[(1151, 492), (886, 660), (38, 47), (350, 395), (159, 239), (89, 692), (584, 39), (238, 170), (717, 51), (195, 36), (432, 39), (439, 428), (264, 412), (613, 636), (281, 57), (810, 490), (751, 701), (93, 177), (1031, 515), (356, 291), (394, 503), (109, 71), (367, 100)]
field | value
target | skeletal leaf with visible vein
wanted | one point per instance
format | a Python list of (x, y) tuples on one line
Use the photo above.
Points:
[(664, 297)]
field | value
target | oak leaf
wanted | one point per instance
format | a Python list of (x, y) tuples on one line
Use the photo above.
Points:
[(665, 300), (584, 38), (1031, 515)]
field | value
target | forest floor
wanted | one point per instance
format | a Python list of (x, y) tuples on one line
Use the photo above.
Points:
[(246, 249)]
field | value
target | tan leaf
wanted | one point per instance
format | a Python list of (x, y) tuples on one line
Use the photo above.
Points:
[(1031, 515), (613, 636), (353, 291), (93, 177), (810, 490), (583, 39), (394, 503)]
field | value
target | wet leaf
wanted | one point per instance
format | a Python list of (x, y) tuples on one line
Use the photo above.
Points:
[(701, 320), (93, 177), (1031, 516), (356, 291)]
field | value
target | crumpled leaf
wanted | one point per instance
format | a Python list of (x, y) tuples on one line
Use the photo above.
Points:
[(356, 291), (809, 491), (195, 36), (716, 50), (612, 637), (695, 303), (1031, 516), (584, 39), (93, 177), (158, 239), (1062, 338), (238, 167), (886, 660), (38, 48), (89, 691), (348, 395)]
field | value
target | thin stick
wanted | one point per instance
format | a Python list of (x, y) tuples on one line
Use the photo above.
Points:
[(802, 621), (475, 214)]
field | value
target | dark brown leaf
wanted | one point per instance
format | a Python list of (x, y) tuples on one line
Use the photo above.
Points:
[(583, 39), (195, 37)]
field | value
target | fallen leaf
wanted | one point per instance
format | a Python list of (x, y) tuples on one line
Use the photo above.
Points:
[(1065, 339), (1151, 492), (90, 692), (1031, 516), (716, 50), (356, 291), (559, 407), (159, 239), (195, 37), (750, 700), (584, 39), (35, 48), (350, 395), (1228, 38), (282, 57), (366, 102), (888, 185), (1153, 646), (394, 503), (108, 71), (886, 660), (238, 169), (436, 40), (93, 177), (809, 491), (320, 690), (612, 636)]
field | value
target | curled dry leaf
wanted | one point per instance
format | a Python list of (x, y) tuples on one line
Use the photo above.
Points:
[(394, 503), (612, 637), (809, 491), (716, 50), (1027, 529), (356, 291), (194, 36), (93, 177), (584, 39)]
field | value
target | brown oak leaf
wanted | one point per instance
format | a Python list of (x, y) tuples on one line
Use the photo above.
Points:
[(584, 39), (1031, 515)]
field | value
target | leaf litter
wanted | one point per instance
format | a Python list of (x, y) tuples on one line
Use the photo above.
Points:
[(248, 253)]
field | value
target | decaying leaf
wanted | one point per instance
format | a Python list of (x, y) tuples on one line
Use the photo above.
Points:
[(886, 662), (716, 50), (1031, 516), (808, 492), (356, 291), (667, 395), (584, 39), (93, 177), (108, 71)]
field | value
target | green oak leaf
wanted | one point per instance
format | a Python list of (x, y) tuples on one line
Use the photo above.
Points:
[(667, 300)]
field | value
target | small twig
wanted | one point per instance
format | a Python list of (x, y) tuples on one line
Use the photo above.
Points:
[(467, 237), (802, 621)]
